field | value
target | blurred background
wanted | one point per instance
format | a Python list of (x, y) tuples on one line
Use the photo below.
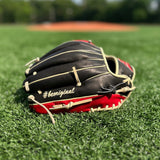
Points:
[(119, 11)]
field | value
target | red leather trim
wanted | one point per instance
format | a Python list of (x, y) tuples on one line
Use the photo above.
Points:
[(126, 64), (97, 101), (85, 41)]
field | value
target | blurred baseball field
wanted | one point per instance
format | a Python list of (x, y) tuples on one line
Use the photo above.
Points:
[(130, 132)]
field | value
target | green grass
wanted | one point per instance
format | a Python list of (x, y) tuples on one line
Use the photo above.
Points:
[(130, 132)]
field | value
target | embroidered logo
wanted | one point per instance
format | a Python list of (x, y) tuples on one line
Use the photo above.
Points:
[(60, 93)]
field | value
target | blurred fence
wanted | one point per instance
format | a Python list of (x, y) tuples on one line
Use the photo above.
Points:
[(36, 11)]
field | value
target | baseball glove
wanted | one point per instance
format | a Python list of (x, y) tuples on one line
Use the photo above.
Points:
[(77, 76)]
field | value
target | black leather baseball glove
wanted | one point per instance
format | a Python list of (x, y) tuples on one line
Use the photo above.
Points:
[(77, 76)]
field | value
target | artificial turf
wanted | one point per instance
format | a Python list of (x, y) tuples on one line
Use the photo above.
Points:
[(130, 132)]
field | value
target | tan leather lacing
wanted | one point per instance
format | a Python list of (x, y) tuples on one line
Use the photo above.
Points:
[(60, 74), (26, 85), (107, 108), (70, 105), (34, 60), (76, 76), (31, 97), (60, 106), (125, 89)]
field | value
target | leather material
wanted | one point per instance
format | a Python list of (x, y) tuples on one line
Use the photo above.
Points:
[(66, 53), (88, 88), (53, 78)]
